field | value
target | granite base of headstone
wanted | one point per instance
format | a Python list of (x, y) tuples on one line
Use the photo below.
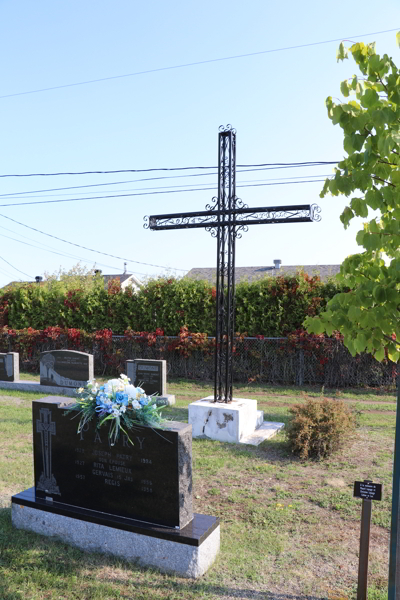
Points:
[(9, 366), (66, 368), (131, 501), (237, 422), (151, 376)]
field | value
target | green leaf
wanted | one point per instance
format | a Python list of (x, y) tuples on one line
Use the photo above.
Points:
[(360, 342), (398, 38), (346, 216), (380, 293), (370, 98), (378, 118), (341, 53), (380, 354), (354, 313), (394, 356), (344, 88), (360, 237), (373, 199), (395, 176), (359, 206)]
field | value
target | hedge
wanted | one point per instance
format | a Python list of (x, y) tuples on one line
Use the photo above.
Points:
[(273, 306)]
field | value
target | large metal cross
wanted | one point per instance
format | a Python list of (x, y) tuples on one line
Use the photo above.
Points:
[(225, 219)]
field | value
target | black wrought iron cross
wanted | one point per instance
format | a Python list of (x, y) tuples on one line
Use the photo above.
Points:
[(225, 219)]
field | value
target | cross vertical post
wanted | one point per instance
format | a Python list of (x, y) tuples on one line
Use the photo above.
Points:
[(224, 220), (226, 238)]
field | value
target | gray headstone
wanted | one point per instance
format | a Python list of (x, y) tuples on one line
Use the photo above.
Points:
[(66, 368), (150, 374), (9, 366)]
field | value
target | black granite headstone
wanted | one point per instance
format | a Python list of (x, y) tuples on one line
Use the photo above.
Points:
[(150, 481), (9, 366), (150, 374), (66, 368)]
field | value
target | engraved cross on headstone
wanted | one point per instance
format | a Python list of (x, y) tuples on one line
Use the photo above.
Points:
[(225, 219), (46, 427)]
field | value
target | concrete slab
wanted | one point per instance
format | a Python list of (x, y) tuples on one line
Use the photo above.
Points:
[(266, 431), (187, 557), (238, 421)]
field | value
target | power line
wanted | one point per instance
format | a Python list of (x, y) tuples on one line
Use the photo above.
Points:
[(63, 254), (153, 193), (76, 187), (175, 187), (90, 249), (313, 163), (193, 64), (6, 261)]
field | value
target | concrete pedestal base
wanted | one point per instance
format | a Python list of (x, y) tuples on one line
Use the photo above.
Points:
[(236, 422), (187, 552)]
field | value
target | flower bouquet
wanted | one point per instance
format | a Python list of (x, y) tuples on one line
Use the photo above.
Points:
[(119, 403)]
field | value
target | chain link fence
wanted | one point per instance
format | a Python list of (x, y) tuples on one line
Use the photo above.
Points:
[(284, 361)]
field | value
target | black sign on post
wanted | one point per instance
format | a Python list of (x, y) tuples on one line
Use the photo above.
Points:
[(367, 490)]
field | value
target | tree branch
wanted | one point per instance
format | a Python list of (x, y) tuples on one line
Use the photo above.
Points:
[(383, 180), (391, 339)]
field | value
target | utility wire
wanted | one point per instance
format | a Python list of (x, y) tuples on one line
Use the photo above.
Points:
[(199, 186), (77, 187), (6, 261), (193, 64), (313, 163), (153, 193), (90, 249), (62, 254)]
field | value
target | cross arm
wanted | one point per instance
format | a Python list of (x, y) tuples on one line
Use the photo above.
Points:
[(301, 213)]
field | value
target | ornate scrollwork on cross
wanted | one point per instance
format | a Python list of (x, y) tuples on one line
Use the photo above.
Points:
[(224, 128), (315, 212)]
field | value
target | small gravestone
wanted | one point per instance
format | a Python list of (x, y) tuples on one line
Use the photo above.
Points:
[(9, 366), (151, 376), (133, 501), (65, 368)]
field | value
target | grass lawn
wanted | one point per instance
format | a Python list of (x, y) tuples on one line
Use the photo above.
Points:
[(287, 527)]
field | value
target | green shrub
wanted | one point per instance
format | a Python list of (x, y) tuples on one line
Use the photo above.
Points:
[(320, 427)]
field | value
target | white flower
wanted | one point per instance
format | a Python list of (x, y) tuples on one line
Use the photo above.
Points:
[(131, 391), (80, 390), (135, 404)]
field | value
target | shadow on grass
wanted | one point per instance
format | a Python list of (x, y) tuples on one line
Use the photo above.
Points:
[(28, 558)]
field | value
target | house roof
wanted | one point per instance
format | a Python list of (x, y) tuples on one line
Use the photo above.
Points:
[(253, 273), (122, 278)]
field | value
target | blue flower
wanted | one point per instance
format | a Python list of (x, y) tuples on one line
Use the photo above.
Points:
[(143, 401)]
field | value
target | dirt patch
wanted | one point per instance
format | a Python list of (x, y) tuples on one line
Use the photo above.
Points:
[(336, 482)]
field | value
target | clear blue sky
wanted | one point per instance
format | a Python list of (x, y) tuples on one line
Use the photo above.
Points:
[(170, 118)]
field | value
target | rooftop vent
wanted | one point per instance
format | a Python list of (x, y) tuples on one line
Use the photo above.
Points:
[(277, 263)]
